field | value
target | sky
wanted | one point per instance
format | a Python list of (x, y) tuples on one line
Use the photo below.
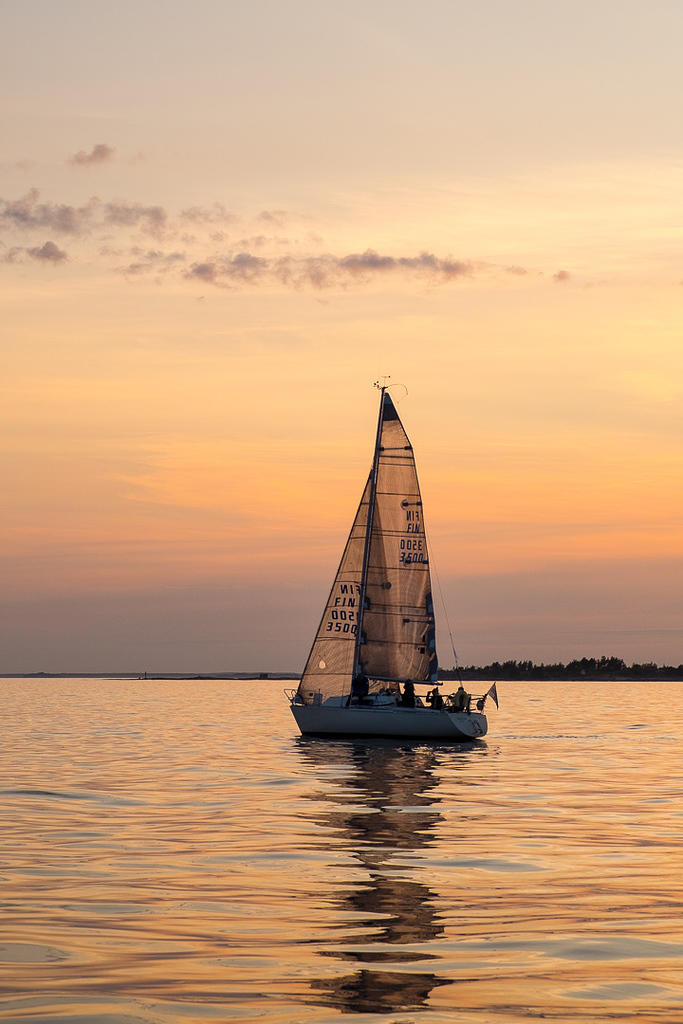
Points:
[(221, 222)]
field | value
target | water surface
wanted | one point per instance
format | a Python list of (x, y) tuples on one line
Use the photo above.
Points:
[(173, 851)]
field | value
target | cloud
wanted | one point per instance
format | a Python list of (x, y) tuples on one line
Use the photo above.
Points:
[(256, 241), (203, 272), (152, 260), (123, 214), (49, 252), (13, 255), (99, 154), (136, 238), (27, 212), (326, 270), (243, 268), (276, 218), (214, 214), (426, 262), (561, 276)]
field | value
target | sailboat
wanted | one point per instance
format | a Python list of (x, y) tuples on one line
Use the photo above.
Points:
[(376, 641)]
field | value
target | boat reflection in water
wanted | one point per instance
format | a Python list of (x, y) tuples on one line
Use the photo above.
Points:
[(386, 807)]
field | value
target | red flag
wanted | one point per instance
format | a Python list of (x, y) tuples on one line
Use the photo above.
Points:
[(493, 694)]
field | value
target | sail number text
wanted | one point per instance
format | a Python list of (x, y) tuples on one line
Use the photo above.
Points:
[(412, 549), (342, 614)]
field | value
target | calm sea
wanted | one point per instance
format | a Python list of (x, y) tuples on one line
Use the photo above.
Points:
[(175, 852)]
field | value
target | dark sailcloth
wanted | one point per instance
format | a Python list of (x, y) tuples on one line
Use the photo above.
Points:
[(330, 664), (379, 617)]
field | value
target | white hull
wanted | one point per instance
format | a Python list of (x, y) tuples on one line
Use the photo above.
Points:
[(409, 723)]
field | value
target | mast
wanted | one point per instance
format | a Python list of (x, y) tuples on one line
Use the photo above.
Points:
[(368, 531)]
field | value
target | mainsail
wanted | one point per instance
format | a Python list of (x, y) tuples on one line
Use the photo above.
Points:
[(397, 638), (379, 617)]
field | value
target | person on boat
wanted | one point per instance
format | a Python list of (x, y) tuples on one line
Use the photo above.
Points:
[(360, 688), (434, 699), (408, 698), (462, 699)]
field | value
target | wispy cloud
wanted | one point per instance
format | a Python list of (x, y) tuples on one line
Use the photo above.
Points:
[(242, 268), (197, 244), (49, 252), (99, 154), (326, 270), (370, 262), (214, 214), (124, 214), (28, 212), (276, 218), (152, 261)]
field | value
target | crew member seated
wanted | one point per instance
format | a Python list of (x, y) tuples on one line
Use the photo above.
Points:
[(461, 699), (360, 687), (434, 699), (408, 696)]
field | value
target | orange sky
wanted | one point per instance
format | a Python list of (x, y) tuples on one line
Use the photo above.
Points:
[(194, 308)]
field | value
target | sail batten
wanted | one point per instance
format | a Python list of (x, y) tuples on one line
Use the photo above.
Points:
[(379, 616)]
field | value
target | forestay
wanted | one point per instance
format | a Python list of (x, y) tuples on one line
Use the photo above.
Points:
[(379, 617)]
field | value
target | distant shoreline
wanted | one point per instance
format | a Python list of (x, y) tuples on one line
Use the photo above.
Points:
[(605, 669)]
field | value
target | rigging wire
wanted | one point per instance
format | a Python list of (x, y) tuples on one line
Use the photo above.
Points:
[(432, 566)]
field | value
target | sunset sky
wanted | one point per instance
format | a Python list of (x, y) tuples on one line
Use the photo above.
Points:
[(220, 222)]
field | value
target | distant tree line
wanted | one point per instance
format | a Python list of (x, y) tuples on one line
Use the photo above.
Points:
[(582, 668)]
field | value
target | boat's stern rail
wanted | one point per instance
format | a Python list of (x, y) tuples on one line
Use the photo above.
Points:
[(474, 703)]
